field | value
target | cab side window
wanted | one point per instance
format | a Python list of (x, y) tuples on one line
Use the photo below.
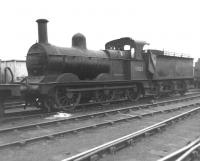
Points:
[(127, 47)]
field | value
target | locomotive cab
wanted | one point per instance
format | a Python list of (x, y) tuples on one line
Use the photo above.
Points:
[(133, 47), (133, 62)]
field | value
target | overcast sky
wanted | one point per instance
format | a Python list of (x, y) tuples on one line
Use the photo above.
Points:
[(172, 25)]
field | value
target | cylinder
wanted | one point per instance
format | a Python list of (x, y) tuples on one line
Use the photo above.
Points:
[(42, 30)]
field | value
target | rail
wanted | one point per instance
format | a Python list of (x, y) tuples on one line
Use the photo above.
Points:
[(81, 128), (8, 91), (193, 152), (184, 152), (128, 139)]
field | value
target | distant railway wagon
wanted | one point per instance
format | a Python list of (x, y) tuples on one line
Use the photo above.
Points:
[(12, 71)]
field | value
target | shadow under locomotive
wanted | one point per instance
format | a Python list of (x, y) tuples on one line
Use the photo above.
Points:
[(62, 78)]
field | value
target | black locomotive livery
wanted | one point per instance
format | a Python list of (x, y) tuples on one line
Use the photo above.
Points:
[(63, 78)]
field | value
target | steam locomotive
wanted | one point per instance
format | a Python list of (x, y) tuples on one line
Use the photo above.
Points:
[(64, 78)]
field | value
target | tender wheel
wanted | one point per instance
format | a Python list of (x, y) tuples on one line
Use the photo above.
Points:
[(171, 88), (158, 89), (183, 88), (134, 93), (67, 100)]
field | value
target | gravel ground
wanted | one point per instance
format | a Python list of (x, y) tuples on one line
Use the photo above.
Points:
[(7, 123), (25, 134), (161, 144), (19, 122), (63, 147)]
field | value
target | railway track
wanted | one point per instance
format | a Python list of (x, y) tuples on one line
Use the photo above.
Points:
[(96, 114), (188, 152), (36, 113), (112, 147), (14, 110), (12, 136), (19, 104), (14, 105), (41, 114)]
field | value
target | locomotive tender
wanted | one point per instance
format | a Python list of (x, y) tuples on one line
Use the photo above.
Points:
[(62, 78)]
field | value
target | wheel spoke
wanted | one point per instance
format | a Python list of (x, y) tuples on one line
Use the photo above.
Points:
[(67, 101)]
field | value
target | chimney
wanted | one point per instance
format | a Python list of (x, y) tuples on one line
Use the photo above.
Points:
[(42, 30)]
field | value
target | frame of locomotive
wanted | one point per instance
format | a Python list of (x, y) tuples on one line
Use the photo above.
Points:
[(63, 78)]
